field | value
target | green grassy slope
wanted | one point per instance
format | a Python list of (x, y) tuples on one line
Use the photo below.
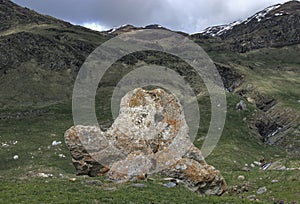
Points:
[(237, 146)]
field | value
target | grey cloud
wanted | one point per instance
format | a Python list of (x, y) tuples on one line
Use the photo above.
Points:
[(189, 16)]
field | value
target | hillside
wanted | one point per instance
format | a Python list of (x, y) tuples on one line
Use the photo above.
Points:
[(258, 60), (275, 26)]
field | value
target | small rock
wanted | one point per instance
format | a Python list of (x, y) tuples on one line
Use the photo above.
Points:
[(274, 181), (241, 105), (246, 164), (16, 157), (72, 179), (55, 143), (261, 190), (245, 169), (251, 197), (266, 166), (252, 165), (170, 185), (277, 165), (138, 185), (257, 163), (43, 175), (241, 177), (61, 156)]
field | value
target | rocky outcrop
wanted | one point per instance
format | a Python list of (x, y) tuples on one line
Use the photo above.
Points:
[(150, 135)]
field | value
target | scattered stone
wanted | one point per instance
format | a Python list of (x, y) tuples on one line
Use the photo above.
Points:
[(257, 163), (237, 189), (149, 135), (274, 181), (246, 165), (138, 185), (170, 185), (252, 165), (252, 197), (266, 166), (16, 157), (44, 175), (241, 105), (277, 165), (72, 179), (261, 190), (61, 156), (241, 177), (245, 169), (55, 143)]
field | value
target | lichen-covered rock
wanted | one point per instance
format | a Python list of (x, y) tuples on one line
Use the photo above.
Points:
[(149, 135)]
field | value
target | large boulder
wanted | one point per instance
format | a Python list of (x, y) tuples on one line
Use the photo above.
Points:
[(150, 135)]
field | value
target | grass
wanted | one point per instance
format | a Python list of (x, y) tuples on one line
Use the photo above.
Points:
[(33, 84), (64, 191), (237, 146)]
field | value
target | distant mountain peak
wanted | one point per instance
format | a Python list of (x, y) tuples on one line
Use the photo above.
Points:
[(267, 13), (127, 28)]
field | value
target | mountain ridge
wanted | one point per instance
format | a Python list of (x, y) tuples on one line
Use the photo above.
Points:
[(40, 58), (275, 26)]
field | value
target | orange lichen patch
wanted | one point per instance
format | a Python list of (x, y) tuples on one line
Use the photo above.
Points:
[(196, 172), (138, 99), (73, 137), (173, 122)]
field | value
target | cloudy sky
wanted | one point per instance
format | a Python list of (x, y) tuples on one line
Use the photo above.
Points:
[(184, 15)]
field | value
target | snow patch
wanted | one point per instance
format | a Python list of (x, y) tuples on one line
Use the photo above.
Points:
[(221, 29), (260, 15), (117, 28)]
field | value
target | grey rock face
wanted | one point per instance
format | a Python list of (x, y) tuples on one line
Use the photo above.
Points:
[(150, 135)]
